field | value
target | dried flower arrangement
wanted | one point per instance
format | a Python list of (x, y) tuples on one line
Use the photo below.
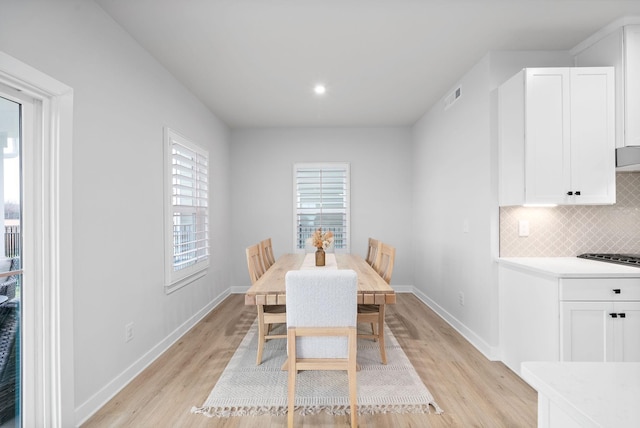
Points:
[(322, 240)]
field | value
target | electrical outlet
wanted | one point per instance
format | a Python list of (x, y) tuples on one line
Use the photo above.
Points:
[(128, 332), (523, 228), (461, 298)]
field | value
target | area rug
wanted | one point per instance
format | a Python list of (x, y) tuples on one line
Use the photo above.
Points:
[(246, 389)]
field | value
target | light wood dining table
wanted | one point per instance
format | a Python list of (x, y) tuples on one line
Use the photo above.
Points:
[(270, 288)]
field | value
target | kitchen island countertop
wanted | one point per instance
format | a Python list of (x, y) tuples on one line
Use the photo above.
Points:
[(590, 394), (571, 267)]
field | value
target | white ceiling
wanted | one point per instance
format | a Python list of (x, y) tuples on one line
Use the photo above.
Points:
[(385, 62)]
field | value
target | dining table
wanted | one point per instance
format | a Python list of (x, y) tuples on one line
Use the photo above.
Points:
[(269, 289)]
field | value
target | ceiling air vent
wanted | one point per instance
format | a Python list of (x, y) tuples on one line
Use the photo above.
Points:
[(450, 99)]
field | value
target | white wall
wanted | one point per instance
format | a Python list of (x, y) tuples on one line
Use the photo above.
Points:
[(454, 184), (452, 187), (122, 100), (444, 166), (262, 188)]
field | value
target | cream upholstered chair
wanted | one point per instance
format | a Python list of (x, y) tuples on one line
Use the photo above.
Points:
[(372, 251), (267, 314), (374, 314), (266, 250), (321, 320)]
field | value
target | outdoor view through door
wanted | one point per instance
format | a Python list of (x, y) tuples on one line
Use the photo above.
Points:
[(10, 269)]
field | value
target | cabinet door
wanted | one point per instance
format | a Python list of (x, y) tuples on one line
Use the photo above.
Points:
[(547, 148), (632, 85), (609, 51), (586, 331), (592, 136), (626, 331), (511, 141)]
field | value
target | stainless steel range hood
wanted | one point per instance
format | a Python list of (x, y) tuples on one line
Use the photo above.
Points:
[(628, 158)]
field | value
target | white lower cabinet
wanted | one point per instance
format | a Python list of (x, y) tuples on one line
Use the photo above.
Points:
[(529, 317), (600, 331), (600, 320), (550, 318)]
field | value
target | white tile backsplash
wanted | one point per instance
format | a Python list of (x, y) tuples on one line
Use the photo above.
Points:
[(567, 231)]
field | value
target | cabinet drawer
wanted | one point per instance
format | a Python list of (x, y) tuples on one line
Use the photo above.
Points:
[(605, 289)]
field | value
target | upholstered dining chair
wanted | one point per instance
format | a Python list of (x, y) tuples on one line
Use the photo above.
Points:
[(321, 320), (268, 315), (266, 249), (374, 314), (372, 251)]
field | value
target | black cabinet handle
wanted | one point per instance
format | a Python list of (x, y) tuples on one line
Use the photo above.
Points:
[(616, 290), (569, 193), (622, 315), (577, 192), (614, 315)]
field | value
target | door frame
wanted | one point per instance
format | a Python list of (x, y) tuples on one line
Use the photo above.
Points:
[(48, 354)]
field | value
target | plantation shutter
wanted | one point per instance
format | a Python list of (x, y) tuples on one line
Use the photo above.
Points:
[(189, 208), (322, 201)]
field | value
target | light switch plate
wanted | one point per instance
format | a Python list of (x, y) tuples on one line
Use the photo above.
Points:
[(523, 228)]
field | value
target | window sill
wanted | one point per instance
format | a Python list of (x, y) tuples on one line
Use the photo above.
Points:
[(168, 289)]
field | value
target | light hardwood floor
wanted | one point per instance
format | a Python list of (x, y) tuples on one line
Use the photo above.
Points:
[(472, 391)]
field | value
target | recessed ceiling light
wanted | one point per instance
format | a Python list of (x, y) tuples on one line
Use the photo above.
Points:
[(319, 89)]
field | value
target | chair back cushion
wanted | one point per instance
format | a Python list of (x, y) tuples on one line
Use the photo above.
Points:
[(322, 298)]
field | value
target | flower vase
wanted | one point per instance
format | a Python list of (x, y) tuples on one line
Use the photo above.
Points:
[(319, 257)]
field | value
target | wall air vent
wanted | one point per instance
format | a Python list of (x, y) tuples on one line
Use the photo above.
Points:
[(450, 99)]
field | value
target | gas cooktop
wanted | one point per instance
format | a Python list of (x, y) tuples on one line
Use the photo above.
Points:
[(623, 259)]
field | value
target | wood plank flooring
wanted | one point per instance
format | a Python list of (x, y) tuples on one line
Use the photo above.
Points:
[(473, 391)]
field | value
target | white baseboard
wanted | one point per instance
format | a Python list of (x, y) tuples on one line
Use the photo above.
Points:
[(396, 288), (491, 352), (99, 399), (403, 288)]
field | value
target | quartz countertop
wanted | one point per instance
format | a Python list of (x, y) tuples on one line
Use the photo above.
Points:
[(571, 267), (594, 394)]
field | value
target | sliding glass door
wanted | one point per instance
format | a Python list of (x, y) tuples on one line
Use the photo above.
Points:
[(10, 257)]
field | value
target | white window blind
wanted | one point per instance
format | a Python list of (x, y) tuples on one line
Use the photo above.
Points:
[(187, 219), (321, 200)]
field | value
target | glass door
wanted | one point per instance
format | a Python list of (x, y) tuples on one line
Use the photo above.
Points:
[(10, 267)]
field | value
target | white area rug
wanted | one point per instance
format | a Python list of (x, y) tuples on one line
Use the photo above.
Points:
[(246, 389)]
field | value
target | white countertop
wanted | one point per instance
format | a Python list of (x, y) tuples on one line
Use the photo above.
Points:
[(594, 394), (571, 267)]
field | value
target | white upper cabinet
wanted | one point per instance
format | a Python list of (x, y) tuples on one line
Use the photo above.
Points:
[(557, 137), (620, 49), (632, 85)]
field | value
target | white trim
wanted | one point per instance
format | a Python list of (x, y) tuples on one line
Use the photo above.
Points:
[(239, 289), (604, 31), (100, 398), (175, 280), (48, 372), (491, 352), (301, 165)]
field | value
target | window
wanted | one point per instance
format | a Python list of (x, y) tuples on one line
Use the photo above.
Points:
[(186, 212), (321, 200)]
